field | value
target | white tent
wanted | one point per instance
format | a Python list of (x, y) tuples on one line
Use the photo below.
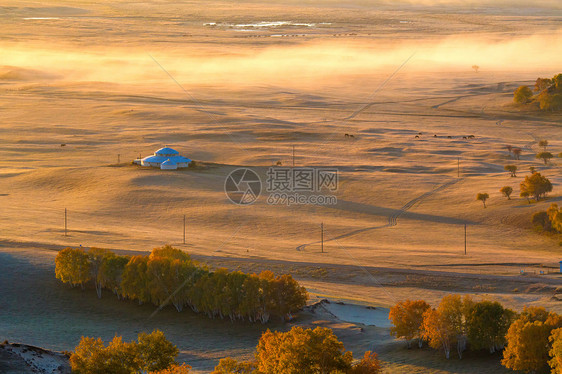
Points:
[(166, 159)]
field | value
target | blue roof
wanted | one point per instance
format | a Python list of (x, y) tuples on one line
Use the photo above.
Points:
[(166, 151), (168, 162), (161, 159)]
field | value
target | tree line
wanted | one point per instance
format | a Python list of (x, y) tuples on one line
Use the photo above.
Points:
[(298, 351), (531, 341), (169, 276)]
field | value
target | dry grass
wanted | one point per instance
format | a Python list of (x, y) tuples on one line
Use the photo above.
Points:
[(86, 80)]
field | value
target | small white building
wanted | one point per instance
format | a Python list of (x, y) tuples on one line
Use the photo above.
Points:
[(166, 159)]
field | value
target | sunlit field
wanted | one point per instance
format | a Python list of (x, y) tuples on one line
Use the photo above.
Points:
[(411, 102)]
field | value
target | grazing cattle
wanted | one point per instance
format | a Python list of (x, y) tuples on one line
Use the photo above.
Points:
[(450, 137), (347, 135), (352, 136), (435, 136), (419, 133), (471, 136), (417, 136), (464, 137)]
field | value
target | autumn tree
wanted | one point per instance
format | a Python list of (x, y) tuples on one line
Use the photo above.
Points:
[(487, 325), (91, 356), (155, 351), (550, 102), (512, 169), (302, 351), (72, 266), (475, 68), (541, 221), (536, 186), (509, 148), (96, 257), (369, 364), (229, 365), (517, 153), (407, 318), (528, 340), (545, 156), (482, 197), (111, 273), (543, 144), (522, 95), (555, 341), (134, 284), (526, 195), (532, 169), (152, 352), (173, 369), (446, 326), (555, 217), (506, 191), (542, 84)]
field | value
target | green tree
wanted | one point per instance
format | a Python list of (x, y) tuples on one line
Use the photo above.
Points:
[(506, 191), (555, 341), (487, 325), (407, 318), (482, 197), (72, 266), (522, 95), (545, 156), (527, 340), (512, 169), (536, 186)]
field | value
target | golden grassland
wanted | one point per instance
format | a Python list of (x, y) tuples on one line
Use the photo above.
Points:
[(94, 77)]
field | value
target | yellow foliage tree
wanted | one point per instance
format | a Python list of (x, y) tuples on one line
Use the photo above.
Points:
[(301, 351), (527, 340), (72, 266), (407, 318), (556, 351)]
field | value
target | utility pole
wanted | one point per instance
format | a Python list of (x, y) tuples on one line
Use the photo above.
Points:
[(65, 223), (293, 156), (322, 235), (184, 229), (465, 239)]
